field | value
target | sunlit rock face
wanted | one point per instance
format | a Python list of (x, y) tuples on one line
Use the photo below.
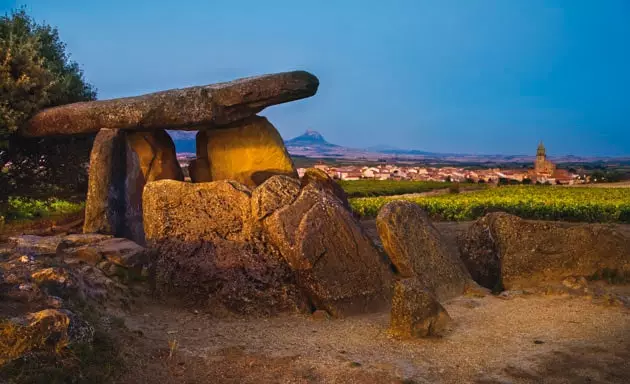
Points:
[(280, 247), (504, 251), (249, 152), (417, 250)]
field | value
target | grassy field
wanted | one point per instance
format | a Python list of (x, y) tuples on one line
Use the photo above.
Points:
[(534, 202), (371, 188), (24, 208)]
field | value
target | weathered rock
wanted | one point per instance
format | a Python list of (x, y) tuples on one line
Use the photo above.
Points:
[(156, 153), (131, 227), (206, 250), (32, 245), (47, 329), (417, 249), (52, 275), (504, 251), (105, 205), (119, 251), (416, 312), (211, 105), (336, 264), (321, 179), (273, 194), (199, 168), (116, 181), (201, 211), (79, 239), (249, 151), (199, 171)]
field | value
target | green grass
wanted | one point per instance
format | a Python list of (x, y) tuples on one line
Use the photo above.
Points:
[(370, 188), (24, 208), (533, 202)]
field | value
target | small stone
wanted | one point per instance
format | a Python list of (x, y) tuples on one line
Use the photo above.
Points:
[(54, 301), (26, 287), (320, 315), (26, 259), (57, 276), (416, 312)]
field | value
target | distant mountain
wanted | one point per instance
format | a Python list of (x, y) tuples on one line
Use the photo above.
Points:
[(312, 144), (309, 138)]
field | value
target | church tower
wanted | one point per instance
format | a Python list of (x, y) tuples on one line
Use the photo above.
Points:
[(542, 166)]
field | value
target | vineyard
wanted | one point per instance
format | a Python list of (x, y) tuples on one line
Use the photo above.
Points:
[(371, 188), (534, 202)]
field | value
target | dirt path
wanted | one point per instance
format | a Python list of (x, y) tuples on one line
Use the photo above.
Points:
[(527, 339)]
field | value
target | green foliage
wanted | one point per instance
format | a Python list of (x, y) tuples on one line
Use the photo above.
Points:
[(367, 188), (35, 73), (22, 208), (534, 202)]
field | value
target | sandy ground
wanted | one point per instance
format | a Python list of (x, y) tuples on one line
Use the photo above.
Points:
[(519, 339), (523, 339)]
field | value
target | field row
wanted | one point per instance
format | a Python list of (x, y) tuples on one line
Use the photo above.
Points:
[(372, 188), (534, 202)]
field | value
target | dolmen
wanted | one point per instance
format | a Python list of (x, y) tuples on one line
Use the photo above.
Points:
[(246, 235), (133, 148)]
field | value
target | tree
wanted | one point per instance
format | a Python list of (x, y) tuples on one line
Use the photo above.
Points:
[(35, 73)]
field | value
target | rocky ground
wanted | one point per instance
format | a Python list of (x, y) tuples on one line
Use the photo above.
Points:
[(93, 310)]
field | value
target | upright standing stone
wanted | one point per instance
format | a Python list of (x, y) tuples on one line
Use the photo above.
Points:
[(106, 188), (199, 168), (121, 163), (417, 249), (156, 153), (250, 152), (132, 227)]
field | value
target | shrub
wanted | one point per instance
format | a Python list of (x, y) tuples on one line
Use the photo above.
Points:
[(35, 73)]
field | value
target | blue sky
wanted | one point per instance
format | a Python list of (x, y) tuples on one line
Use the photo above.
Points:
[(447, 76)]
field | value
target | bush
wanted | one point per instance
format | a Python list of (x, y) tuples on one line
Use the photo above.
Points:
[(35, 73)]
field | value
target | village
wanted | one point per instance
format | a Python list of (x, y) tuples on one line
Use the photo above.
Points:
[(544, 172)]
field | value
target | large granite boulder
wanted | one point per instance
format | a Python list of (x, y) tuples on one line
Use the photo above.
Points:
[(503, 251), (416, 312), (417, 249), (207, 252), (156, 153), (249, 152), (336, 265), (210, 105)]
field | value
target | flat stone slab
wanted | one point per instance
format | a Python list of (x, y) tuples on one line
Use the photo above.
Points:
[(209, 106)]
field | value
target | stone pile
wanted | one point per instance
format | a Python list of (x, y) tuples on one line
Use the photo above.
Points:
[(46, 284)]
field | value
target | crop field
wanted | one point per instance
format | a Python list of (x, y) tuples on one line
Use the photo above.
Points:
[(370, 188), (532, 202)]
